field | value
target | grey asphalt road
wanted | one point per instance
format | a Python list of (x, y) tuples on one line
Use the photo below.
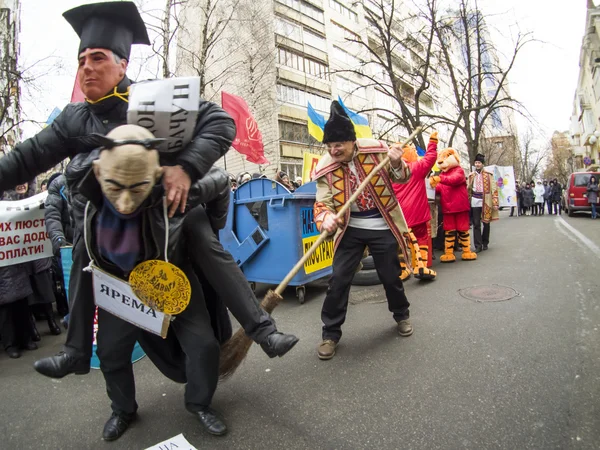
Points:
[(517, 374)]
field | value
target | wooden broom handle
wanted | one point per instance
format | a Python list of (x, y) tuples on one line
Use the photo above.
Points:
[(279, 290)]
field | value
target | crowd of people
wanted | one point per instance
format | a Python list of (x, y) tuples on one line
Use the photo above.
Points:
[(30, 291), (280, 176), (536, 196)]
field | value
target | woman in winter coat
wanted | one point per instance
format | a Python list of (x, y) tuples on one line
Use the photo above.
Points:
[(14, 312), (40, 275), (538, 208), (592, 194), (528, 198)]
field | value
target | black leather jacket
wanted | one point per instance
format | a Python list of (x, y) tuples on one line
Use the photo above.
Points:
[(57, 213), (213, 135)]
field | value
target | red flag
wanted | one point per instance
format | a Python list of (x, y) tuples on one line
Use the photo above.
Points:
[(248, 140), (77, 94)]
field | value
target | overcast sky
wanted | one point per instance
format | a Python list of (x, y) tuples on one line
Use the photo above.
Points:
[(544, 78)]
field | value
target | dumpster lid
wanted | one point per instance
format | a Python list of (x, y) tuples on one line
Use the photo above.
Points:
[(265, 189)]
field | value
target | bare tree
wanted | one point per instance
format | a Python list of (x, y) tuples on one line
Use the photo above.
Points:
[(560, 161), (398, 64), (479, 84), (531, 156)]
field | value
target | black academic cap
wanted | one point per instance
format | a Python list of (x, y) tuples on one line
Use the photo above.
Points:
[(111, 25), (339, 127)]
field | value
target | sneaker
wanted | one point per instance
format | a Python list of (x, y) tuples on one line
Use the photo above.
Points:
[(405, 328), (326, 349)]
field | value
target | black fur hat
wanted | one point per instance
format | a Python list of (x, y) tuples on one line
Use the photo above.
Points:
[(479, 157), (339, 127)]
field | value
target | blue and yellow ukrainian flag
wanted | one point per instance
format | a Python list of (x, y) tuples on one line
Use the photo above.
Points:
[(361, 124), (316, 123)]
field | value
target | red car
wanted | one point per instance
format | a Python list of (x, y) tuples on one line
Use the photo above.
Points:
[(575, 196)]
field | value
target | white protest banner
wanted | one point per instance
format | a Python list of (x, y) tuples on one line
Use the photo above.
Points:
[(23, 235), (178, 442), (168, 108), (116, 297), (504, 177)]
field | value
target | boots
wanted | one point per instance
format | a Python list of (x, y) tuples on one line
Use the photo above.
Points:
[(450, 239), (405, 274), (52, 325), (33, 331), (465, 242), (424, 273)]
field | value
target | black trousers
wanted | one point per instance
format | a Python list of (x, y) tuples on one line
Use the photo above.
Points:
[(14, 324), (549, 205), (479, 239), (116, 339), (207, 256), (384, 248)]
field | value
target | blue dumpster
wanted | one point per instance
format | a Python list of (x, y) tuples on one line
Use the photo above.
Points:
[(66, 257), (270, 228)]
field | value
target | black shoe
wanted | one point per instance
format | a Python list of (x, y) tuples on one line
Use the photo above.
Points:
[(484, 248), (13, 352), (477, 249), (116, 426), (211, 422), (53, 326), (30, 346), (278, 344), (61, 365)]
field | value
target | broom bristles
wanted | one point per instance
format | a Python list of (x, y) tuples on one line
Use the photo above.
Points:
[(234, 351)]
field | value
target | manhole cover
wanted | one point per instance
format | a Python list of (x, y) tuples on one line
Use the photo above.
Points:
[(492, 293)]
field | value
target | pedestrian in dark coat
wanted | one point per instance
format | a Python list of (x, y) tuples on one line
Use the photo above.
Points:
[(556, 196), (14, 312), (528, 197), (57, 213), (592, 194), (42, 297)]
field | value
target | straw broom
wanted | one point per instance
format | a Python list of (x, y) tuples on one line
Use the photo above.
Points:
[(234, 351)]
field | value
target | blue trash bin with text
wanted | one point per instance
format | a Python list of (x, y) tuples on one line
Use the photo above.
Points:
[(270, 228)]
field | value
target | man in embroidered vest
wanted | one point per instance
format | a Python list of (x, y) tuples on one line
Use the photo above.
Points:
[(374, 220), (483, 195)]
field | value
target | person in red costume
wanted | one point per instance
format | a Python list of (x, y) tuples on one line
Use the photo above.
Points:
[(412, 198), (451, 185)]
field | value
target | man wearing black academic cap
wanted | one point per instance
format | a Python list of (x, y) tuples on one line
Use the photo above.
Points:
[(374, 220), (483, 195), (107, 31)]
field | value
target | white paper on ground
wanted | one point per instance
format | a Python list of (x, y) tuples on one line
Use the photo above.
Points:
[(178, 442)]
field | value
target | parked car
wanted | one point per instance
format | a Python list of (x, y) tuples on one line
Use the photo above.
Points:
[(575, 197)]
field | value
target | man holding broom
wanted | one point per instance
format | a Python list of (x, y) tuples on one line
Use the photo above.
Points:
[(375, 220)]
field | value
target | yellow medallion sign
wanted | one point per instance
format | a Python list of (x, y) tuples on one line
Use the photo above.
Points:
[(161, 286)]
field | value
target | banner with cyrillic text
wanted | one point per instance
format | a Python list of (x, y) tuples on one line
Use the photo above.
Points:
[(23, 235)]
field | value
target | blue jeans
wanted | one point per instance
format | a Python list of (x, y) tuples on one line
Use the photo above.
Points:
[(593, 210)]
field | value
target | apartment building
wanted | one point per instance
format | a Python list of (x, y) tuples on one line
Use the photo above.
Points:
[(286, 53), (10, 132), (585, 125)]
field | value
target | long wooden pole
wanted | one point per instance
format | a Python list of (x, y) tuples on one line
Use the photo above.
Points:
[(279, 290)]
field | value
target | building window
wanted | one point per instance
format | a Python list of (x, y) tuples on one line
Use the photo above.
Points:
[(343, 10), (292, 169), (350, 87), (298, 62), (499, 145), (299, 97), (288, 29), (305, 8), (295, 132), (314, 40), (346, 57)]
